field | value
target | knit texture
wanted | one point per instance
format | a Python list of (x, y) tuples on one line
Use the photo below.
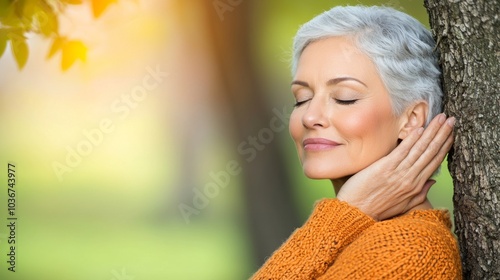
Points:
[(338, 241)]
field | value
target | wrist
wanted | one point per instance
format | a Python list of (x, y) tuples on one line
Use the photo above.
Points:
[(361, 206)]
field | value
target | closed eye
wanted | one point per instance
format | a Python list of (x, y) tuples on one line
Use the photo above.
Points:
[(346, 102), (298, 103)]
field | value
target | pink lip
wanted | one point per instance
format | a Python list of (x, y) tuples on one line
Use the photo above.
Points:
[(319, 144)]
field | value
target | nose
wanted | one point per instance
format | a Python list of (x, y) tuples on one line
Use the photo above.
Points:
[(315, 115)]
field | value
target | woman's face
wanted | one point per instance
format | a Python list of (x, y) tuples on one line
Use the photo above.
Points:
[(343, 121)]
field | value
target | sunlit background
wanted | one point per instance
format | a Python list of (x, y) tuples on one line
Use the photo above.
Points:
[(112, 154)]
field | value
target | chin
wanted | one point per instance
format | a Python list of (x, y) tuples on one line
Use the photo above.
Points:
[(326, 173)]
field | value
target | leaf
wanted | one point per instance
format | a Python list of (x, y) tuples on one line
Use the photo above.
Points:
[(19, 49), (57, 45), (73, 50), (11, 17), (3, 42), (46, 19), (47, 22), (19, 7), (40, 17), (26, 15), (98, 6)]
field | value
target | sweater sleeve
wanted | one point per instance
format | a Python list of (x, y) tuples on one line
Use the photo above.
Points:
[(408, 248), (311, 249)]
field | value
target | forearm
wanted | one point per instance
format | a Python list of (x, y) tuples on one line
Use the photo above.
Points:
[(311, 249)]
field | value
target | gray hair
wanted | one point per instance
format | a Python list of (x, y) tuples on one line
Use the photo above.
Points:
[(401, 48)]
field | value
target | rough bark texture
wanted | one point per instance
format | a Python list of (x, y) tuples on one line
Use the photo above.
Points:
[(468, 37)]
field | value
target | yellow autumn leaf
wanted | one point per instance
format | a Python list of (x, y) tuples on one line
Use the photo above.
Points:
[(57, 45), (98, 6), (40, 16), (71, 51), (47, 20)]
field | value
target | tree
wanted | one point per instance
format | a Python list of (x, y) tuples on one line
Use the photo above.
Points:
[(468, 36)]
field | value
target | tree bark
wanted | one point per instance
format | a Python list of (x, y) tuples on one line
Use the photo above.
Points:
[(468, 37)]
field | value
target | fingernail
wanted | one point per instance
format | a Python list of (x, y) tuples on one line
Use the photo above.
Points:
[(442, 118), (420, 131), (451, 121)]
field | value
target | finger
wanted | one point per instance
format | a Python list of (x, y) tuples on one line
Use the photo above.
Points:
[(402, 150), (430, 168), (417, 148), (437, 148), (429, 144)]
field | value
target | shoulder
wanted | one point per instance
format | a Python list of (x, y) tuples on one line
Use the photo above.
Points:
[(419, 245)]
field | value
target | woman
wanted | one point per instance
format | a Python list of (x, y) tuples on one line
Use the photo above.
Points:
[(366, 82)]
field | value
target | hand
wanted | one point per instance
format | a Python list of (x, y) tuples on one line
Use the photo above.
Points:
[(399, 181)]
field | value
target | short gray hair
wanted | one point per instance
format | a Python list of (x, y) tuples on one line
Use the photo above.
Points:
[(401, 48)]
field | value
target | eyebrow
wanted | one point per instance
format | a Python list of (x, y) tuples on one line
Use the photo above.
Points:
[(330, 82)]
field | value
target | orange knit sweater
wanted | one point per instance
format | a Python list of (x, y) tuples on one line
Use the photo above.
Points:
[(338, 241)]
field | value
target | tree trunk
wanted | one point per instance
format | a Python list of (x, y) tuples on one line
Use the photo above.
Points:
[(271, 214), (468, 37)]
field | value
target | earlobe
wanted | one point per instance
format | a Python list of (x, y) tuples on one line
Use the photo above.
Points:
[(414, 117)]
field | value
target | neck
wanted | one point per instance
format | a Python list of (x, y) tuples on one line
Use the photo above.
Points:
[(338, 183)]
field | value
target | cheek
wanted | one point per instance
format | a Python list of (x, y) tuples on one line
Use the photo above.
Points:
[(369, 131), (359, 123)]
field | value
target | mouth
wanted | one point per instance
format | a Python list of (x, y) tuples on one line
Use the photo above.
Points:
[(318, 144)]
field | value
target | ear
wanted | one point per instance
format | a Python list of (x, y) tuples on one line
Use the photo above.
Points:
[(414, 117)]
